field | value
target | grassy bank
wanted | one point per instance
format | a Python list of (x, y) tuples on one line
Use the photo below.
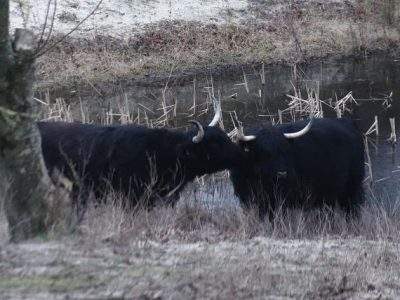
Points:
[(269, 32)]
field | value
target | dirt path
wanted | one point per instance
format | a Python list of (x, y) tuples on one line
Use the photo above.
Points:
[(256, 268)]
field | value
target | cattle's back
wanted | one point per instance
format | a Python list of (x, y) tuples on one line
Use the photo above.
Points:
[(96, 151), (74, 145), (330, 154)]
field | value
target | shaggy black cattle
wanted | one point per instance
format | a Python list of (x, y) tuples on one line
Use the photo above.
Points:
[(302, 165), (140, 162)]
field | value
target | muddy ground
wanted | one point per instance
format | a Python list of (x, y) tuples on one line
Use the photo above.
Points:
[(259, 268)]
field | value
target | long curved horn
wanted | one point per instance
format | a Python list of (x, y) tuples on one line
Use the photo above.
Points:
[(217, 116), (300, 133), (200, 134), (244, 138)]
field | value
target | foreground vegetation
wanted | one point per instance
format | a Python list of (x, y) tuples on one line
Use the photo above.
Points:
[(213, 250)]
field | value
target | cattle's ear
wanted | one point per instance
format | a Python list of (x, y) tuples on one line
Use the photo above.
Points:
[(245, 145)]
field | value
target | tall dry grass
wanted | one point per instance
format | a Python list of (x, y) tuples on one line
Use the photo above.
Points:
[(384, 11), (222, 219)]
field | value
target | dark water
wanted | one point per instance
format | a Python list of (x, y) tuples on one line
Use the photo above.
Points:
[(370, 80)]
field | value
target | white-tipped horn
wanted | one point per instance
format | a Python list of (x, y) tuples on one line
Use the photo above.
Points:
[(200, 134), (247, 138), (244, 138), (217, 116), (300, 133)]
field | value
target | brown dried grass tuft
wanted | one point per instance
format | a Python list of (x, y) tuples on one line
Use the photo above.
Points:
[(193, 220)]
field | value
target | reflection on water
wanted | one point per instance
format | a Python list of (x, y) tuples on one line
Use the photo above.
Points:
[(245, 94)]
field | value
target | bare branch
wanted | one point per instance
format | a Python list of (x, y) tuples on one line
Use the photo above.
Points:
[(44, 44), (51, 25), (43, 51), (44, 25)]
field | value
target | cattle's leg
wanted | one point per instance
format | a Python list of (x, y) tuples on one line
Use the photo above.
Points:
[(351, 204), (172, 200), (166, 200), (101, 195), (351, 207), (271, 217), (355, 195), (266, 209), (80, 196)]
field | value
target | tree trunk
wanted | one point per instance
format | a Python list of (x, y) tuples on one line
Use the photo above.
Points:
[(21, 159)]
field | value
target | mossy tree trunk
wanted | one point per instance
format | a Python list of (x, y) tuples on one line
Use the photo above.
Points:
[(21, 159)]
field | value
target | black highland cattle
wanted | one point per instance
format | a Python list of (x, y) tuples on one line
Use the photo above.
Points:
[(307, 164), (134, 160)]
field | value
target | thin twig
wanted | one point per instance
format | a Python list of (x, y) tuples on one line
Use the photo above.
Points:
[(51, 27), (40, 53), (44, 25)]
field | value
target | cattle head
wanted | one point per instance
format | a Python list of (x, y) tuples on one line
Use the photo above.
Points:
[(268, 151), (208, 149)]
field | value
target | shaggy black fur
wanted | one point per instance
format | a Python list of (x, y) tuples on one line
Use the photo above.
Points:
[(133, 159), (323, 167)]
